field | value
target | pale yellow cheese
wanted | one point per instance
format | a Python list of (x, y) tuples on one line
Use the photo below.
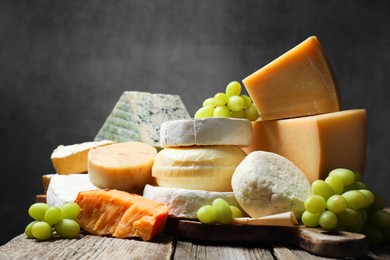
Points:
[(122, 166), (198, 168), (298, 83), (316, 144), (69, 159)]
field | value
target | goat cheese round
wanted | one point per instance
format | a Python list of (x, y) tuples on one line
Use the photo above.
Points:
[(184, 203), (199, 167), (266, 183), (206, 131)]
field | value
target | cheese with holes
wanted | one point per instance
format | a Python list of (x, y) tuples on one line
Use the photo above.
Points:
[(316, 144), (184, 203), (298, 83), (198, 168), (122, 166), (64, 188), (69, 159), (137, 116), (206, 131)]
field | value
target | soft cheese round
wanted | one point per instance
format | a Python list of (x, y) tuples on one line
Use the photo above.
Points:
[(122, 166), (184, 203), (266, 183), (198, 168), (206, 131)]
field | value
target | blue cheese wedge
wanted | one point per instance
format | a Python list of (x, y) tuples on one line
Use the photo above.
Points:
[(137, 116)]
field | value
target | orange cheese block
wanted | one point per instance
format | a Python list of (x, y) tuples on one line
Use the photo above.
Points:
[(316, 144), (298, 83), (123, 166), (120, 214)]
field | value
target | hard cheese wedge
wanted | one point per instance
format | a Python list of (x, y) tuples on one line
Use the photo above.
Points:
[(120, 214), (298, 83), (206, 132), (137, 116), (69, 159), (316, 144)]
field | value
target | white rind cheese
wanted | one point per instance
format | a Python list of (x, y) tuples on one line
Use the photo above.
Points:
[(266, 183), (184, 203), (64, 188), (137, 116), (206, 131)]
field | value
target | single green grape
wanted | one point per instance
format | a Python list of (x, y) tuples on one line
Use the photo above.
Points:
[(310, 220), (70, 210), (357, 185), (37, 210), (41, 230), (53, 215), (363, 214), (380, 218), (205, 112), (221, 99), (379, 202), (236, 212), (328, 220), (251, 113), (67, 228), (347, 176), (209, 101), (223, 211), (247, 100), (221, 111), (336, 204), (315, 204), (369, 197), (351, 220), (238, 114), (233, 89), (206, 214), (355, 199), (235, 103), (27, 230), (335, 183), (322, 188), (373, 233), (358, 176)]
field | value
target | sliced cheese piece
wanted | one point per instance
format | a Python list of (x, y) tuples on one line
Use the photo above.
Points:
[(316, 144), (199, 168), (266, 183), (206, 131), (69, 159), (285, 219), (46, 181), (123, 166), (184, 203), (137, 116), (298, 83), (64, 188)]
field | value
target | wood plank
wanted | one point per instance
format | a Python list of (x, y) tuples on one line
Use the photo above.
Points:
[(88, 247), (188, 250), (294, 253)]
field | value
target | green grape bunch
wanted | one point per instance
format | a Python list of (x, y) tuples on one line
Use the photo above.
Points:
[(342, 202), (47, 219), (231, 104)]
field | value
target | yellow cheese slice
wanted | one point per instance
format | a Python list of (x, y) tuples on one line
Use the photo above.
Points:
[(123, 166), (316, 144), (198, 168), (298, 83), (285, 219)]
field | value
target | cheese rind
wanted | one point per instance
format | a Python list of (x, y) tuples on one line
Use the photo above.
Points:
[(206, 132), (64, 188), (69, 159), (184, 203), (199, 168), (123, 166), (298, 83), (137, 116), (316, 144)]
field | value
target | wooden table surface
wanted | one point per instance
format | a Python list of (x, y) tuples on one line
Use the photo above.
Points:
[(162, 247)]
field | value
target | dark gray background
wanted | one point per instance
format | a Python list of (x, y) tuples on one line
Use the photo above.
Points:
[(64, 64)]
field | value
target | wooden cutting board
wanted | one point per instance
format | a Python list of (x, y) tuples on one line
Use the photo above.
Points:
[(314, 240)]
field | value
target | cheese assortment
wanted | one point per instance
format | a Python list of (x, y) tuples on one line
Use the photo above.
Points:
[(298, 83), (137, 116), (69, 159), (316, 144)]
